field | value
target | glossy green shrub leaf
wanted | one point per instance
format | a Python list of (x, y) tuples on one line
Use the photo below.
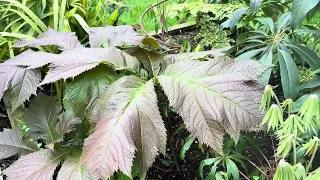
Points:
[(232, 169), (255, 5), (207, 162), (300, 8), (231, 23), (186, 146), (289, 75)]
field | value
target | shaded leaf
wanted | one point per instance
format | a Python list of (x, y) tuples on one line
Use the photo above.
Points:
[(266, 59), (73, 169), (231, 23), (300, 8), (255, 5), (42, 118), (306, 55), (150, 59), (64, 40), (268, 22), (114, 36), (12, 143), (38, 165), (311, 84), (174, 58), (289, 75), (215, 96), (128, 120), (86, 88), (66, 123), (76, 61), (186, 146), (20, 82)]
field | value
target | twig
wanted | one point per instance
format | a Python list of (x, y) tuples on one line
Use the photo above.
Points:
[(243, 175), (145, 31)]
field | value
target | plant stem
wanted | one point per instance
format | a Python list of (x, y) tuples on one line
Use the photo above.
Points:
[(171, 144), (58, 92), (294, 152), (312, 157)]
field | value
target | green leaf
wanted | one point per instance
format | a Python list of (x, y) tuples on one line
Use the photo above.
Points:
[(128, 119), (289, 75), (255, 5), (207, 162), (231, 23), (232, 169), (268, 22), (186, 146), (311, 84), (249, 54), (283, 21), (310, 31), (73, 168), (42, 118), (266, 59), (113, 17), (12, 143), (215, 96), (306, 55), (300, 8), (86, 88)]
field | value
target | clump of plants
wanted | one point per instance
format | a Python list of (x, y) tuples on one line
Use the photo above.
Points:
[(96, 110)]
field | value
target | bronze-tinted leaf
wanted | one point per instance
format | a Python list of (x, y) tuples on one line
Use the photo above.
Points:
[(64, 40), (128, 120), (213, 96), (114, 36)]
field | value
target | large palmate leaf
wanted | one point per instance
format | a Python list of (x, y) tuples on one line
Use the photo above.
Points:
[(215, 96), (64, 40), (76, 61), (128, 120), (42, 118), (12, 143), (300, 9), (289, 75), (86, 88), (114, 36), (20, 82), (39, 165), (73, 169)]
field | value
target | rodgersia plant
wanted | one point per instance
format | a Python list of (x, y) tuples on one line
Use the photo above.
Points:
[(105, 114)]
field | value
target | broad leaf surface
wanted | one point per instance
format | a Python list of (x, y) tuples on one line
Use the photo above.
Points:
[(151, 60), (20, 82), (42, 118), (174, 58), (215, 96), (32, 59), (76, 61), (300, 8), (114, 36), (12, 143), (35, 166), (64, 40), (73, 169), (86, 88), (289, 75), (128, 121), (66, 123), (255, 5)]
